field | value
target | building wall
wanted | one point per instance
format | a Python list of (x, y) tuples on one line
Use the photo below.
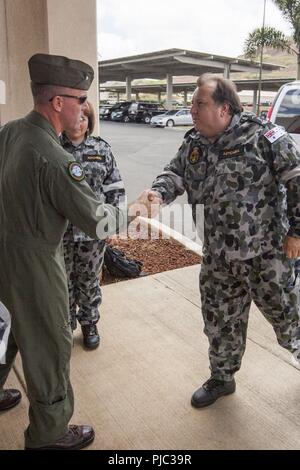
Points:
[(73, 32), (27, 27), (23, 32)]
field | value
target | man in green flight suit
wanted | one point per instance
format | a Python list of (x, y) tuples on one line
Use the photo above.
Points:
[(41, 188)]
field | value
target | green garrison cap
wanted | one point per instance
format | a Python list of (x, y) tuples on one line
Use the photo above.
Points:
[(47, 69)]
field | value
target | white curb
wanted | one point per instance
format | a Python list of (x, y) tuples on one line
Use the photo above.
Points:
[(169, 232)]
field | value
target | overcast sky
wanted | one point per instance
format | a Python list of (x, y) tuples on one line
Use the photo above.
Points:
[(131, 27)]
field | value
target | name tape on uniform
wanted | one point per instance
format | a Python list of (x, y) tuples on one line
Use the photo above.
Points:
[(274, 134)]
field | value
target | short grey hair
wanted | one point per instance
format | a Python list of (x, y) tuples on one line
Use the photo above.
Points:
[(224, 92), (43, 93)]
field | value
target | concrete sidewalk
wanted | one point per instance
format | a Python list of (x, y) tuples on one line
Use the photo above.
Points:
[(135, 389)]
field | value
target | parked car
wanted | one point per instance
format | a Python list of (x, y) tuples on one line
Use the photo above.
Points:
[(117, 111), (176, 117), (143, 111), (104, 111), (285, 110)]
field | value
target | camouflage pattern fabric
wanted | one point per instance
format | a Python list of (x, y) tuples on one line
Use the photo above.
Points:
[(227, 289), (83, 265), (101, 173), (83, 255), (249, 183), (241, 179)]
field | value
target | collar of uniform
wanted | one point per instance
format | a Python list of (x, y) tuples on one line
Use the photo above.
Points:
[(234, 121), (87, 142), (90, 141), (37, 119)]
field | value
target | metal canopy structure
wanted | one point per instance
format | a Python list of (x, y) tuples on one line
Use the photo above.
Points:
[(268, 84), (175, 62)]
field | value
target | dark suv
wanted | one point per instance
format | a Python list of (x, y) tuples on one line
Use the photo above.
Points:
[(118, 112), (143, 111)]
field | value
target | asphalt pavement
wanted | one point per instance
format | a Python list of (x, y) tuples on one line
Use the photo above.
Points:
[(142, 152)]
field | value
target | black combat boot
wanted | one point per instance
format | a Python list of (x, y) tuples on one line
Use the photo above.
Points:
[(76, 438), (211, 391), (10, 398), (91, 338)]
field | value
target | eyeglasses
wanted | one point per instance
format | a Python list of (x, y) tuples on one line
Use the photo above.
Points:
[(81, 99)]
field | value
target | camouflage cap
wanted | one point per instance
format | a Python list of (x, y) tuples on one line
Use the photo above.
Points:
[(47, 69)]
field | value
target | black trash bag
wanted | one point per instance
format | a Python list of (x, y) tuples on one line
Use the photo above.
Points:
[(119, 266)]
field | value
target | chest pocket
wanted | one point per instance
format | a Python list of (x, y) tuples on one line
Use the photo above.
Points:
[(95, 169), (197, 172), (238, 179)]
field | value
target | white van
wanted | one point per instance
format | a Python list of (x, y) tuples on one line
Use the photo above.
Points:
[(285, 110)]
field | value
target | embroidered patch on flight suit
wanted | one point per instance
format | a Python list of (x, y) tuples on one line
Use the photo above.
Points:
[(76, 171), (274, 134), (232, 152), (93, 158), (195, 155)]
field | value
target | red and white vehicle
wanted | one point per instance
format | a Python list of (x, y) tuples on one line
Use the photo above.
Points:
[(285, 110)]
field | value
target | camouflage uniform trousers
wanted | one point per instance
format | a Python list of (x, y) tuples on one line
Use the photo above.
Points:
[(227, 289), (84, 261)]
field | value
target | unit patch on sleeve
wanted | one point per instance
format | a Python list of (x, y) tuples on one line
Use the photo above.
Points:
[(274, 134), (76, 171)]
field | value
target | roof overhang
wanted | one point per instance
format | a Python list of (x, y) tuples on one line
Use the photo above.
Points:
[(266, 85), (176, 62)]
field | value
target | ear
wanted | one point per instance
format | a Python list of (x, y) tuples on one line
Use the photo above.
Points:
[(225, 109), (57, 104)]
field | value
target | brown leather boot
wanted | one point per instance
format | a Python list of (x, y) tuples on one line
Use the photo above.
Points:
[(10, 399), (76, 438)]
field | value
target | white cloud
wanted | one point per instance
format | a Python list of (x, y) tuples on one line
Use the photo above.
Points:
[(217, 26)]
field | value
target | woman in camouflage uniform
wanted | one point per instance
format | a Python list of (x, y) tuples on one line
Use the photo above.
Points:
[(84, 256)]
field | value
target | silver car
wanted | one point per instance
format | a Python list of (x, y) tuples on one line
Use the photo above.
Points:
[(179, 117), (285, 111)]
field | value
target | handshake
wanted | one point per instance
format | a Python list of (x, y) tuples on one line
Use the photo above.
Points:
[(146, 205)]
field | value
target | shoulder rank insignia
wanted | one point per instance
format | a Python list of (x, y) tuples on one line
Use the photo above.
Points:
[(76, 171), (195, 155), (274, 134)]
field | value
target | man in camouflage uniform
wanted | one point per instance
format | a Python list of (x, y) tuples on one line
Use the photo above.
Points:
[(84, 255), (246, 173)]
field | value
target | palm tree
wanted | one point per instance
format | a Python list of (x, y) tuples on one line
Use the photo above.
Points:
[(271, 37)]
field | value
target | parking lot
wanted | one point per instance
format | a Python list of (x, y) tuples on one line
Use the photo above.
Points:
[(142, 152)]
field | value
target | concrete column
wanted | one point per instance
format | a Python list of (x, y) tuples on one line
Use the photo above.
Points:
[(254, 108), (137, 96), (72, 31), (23, 32), (226, 71), (57, 27), (169, 91), (185, 98), (159, 96), (118, 97), (128, 88)]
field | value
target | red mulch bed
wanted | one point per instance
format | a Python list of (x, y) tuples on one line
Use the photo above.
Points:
[(157, 255)]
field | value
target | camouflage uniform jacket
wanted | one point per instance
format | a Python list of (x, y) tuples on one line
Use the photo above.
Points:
[(101, 173), (248, 181)]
